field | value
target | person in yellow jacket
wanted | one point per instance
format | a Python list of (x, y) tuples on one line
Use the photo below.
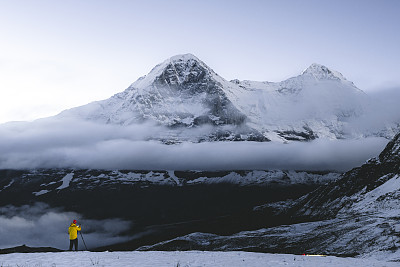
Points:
[(73, 235)]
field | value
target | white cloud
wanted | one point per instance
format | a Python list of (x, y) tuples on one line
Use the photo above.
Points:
[(383, 112), (78, 144), (39, 225)]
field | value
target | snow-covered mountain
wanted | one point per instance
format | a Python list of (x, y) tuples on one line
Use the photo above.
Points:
[(180, 91), (318, 103), (185, 95)]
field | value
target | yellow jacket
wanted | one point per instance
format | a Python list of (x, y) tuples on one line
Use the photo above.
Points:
[(73, 231)]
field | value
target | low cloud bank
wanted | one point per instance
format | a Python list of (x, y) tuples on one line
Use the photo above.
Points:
[(39, 226), (78, 144), (383, 112)]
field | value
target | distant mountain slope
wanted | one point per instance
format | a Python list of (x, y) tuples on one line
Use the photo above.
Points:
[(357, 214), (317, 103), (185, 95), (372, 188)]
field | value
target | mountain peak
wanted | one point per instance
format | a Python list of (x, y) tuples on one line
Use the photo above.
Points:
[(321, 72), (182, 91), (183, 57), (174, 71)]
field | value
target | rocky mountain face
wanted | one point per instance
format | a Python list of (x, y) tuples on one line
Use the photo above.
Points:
[(357, 214), (186, 96), (181, 91), (372, 188)]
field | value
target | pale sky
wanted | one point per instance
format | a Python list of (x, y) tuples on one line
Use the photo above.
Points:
[(56, 55)]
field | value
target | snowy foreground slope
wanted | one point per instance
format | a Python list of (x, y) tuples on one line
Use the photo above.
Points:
[(181, 259)]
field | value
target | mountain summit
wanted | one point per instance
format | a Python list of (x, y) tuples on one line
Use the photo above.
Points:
[(320, 72), (175, 71), (183, 93)]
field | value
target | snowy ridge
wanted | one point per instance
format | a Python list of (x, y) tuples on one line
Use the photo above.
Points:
[(92, 179), (384, 200), (320, 72), (184, 93), (373, 187), (365, 237), (264, 177), (365, 202)]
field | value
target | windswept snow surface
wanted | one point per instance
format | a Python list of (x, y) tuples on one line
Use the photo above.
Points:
[(183, 259), (383, 200)]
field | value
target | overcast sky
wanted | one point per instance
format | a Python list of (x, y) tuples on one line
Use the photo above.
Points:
[(60, 54)]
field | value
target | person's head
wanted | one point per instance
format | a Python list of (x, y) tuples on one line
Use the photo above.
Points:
[(74, 221)]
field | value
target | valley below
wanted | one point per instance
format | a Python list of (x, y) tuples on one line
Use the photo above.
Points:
[(159, 205)]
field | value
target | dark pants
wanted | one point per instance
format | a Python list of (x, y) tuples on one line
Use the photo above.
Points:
[(74, 243)]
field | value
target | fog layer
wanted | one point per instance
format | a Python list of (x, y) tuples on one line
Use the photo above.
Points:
[(79, 144)]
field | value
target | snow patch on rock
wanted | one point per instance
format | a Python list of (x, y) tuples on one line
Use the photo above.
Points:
[(66, 181)]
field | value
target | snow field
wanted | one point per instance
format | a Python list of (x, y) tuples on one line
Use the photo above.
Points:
[(179, 258)]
